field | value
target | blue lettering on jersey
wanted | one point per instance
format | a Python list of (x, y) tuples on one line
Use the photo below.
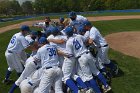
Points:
[(76, 44), (52, 51), (13, 40)]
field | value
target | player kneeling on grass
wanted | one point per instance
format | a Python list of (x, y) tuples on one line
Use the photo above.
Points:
[(14, 51), (75, 45)]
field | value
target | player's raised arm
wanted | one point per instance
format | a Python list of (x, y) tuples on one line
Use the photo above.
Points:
[(55, 32), (66, 54)]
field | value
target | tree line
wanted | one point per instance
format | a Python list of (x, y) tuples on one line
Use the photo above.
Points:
[(12, 7)]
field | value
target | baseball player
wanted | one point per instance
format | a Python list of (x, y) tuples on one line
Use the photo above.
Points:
[(31, 82), (30, 67), (13, 54), (48, 54), (75, 45), (59, 40), (102, 48), (32, 39), (44, 25), (61, 23), (76, 20)]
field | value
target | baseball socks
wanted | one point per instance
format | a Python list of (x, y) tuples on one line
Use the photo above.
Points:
[(105, 72), (103, 80), (72, 85), (81, 83), (14, 86), (92, 83), (8, 73)]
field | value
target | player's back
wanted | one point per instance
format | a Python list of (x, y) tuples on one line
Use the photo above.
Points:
[(97, 37), (17, 43), (81, 18), (48, 55), (77, 44)]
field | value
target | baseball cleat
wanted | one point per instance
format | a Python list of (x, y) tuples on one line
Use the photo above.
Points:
[(106, 89), (83, 90), (7, 81), (90, 91)]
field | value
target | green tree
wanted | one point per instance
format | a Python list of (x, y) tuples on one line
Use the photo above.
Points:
[(15, 7), (40, 6), (27, 7)]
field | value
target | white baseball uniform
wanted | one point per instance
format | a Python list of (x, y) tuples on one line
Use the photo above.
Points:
[(75, 45), (51, 73), (15, 52), (102, 47), (28, 85), (61, 47), (30, 67), (43, 26), (31, 41)]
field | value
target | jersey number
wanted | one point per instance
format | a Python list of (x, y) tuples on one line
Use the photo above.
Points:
[(13, 40), (52, 51), (76, 44)]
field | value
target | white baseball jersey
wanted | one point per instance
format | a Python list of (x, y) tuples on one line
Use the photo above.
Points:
[(48, 56), (51, 37), (58, 37), (97, 37), (75, 45), (29, 39), (43, 26), (86, 35), (18, 43), (80, 18)]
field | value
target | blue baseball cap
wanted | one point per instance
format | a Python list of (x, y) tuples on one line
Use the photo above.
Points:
[(71, 14), (25, 28), (61, 19), (42, 40), (86, 23), (81, 29), (54, 30), (68, 31), (34, 33)]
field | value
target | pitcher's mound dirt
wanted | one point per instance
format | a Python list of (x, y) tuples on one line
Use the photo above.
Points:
[(125, 42)]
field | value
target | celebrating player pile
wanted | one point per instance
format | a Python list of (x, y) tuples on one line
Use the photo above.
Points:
[(62, 59)]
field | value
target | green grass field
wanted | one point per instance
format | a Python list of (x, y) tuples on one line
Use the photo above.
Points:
[(129, 79)]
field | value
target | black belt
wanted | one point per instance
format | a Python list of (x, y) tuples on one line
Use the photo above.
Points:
[(104, 46), (83, 53), (10, 51), (35, 63), (48, 67), (51, 67), (30, 83)]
